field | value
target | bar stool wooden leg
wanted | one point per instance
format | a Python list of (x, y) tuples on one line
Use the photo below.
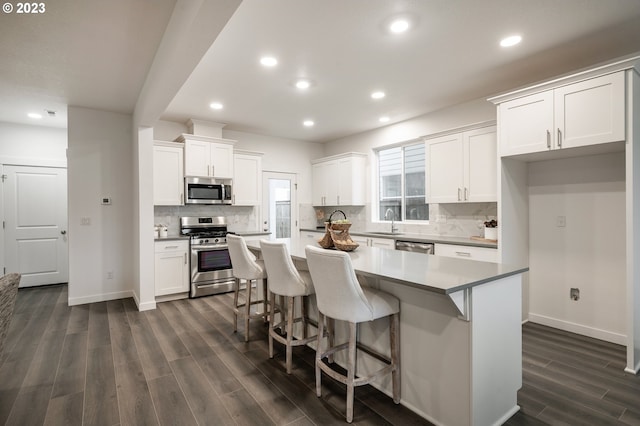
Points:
[(247, 311), (394, 336), (351, 369), (303, 311), (290, 315), (331, 328), (265, 301), (319, 353), (272, 324), (236, 291)]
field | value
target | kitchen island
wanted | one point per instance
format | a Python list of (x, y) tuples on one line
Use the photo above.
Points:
[(460, 331)]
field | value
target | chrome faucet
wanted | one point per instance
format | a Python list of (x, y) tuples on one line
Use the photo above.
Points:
[(393, 218)]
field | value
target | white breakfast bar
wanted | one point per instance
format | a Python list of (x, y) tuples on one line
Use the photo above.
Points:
[(460, 331)]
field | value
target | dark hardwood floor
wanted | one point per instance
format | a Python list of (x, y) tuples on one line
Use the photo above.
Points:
[(108, 364)]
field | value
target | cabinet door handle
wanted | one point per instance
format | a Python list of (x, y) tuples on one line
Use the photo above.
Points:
[(338, 200), (181, 198), (463, 253), (459, 195), (548, 139), (185, 258), (170, 247), (466, 194), (559, 138)]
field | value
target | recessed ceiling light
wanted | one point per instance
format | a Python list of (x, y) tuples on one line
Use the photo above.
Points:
[(308, 123), (269, 61), (383, 119), (303, 84), (216, 105), (510, 41), (34, 115), (378, 95), (399, 26)]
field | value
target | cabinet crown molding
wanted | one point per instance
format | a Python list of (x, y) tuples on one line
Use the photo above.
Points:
[(625, 63), (185, 136), (337, 156)]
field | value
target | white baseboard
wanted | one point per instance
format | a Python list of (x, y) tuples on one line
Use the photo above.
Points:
[(146, 306), (596, 333), (103, 297)]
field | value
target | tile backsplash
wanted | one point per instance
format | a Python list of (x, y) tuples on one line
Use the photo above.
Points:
[(239, 218), (454, 220)]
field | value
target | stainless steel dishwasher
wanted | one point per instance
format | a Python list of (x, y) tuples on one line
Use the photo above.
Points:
[(426, 248)]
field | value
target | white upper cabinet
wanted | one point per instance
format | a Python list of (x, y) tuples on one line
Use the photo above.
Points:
[(461, 167), (247, 181), (339, 180), (585, 113), (168, 176), (207, 157)]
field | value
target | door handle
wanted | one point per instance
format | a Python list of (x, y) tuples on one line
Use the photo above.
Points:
[(63, 232), (559, 138), (548, 139)]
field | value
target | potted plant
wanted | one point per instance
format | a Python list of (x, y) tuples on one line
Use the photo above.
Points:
[(491, 229)]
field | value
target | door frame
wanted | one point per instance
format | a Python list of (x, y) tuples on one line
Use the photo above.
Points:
[(293, 178)]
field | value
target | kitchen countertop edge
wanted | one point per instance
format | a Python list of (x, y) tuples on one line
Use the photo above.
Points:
[(418, 238)]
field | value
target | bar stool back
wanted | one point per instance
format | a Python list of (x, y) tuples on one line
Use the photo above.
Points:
[(339, 296), (247, 268), (289, 283)]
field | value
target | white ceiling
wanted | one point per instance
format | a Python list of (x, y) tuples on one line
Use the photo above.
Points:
[(97, 54), (90, 53)]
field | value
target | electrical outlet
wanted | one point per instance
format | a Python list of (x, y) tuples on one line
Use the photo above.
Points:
[(109, 275), (561, 221), (441, 218), (85, 221), (574, 294)]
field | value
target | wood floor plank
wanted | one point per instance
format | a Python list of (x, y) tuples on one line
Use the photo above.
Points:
[(170, 402), (98, 326), (70, 377), (153, 361), (579, 384), (100, 397), (564, 408), (206, 406), (43, 367), (169, 342), (65, 410), (245, 410), (134, 397), (272, 401), (30, 408), (79, 319)]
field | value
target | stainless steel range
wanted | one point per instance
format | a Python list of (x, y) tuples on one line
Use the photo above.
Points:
[(211, 270)]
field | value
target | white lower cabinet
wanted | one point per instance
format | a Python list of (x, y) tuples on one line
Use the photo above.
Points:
[(171, 267), (484, 254), (375, 242)]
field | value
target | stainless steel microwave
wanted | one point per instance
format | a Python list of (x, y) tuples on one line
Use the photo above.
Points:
[(202, 190)]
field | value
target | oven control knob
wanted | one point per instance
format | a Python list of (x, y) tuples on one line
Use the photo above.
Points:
[(216, 240), (206, 241)]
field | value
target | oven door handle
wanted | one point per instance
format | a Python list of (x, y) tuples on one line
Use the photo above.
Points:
[(209, 247)]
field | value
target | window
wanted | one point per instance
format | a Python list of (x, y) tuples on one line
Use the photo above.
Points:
[(401, 172)]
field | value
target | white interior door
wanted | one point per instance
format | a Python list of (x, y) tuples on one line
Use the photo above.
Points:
[(35, 215), (279, 204)]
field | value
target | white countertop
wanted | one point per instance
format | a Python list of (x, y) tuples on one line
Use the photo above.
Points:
[(439, 274)]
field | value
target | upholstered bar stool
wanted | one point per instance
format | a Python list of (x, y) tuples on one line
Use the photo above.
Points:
[(289, 283), (339, 296), (246, 267)]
